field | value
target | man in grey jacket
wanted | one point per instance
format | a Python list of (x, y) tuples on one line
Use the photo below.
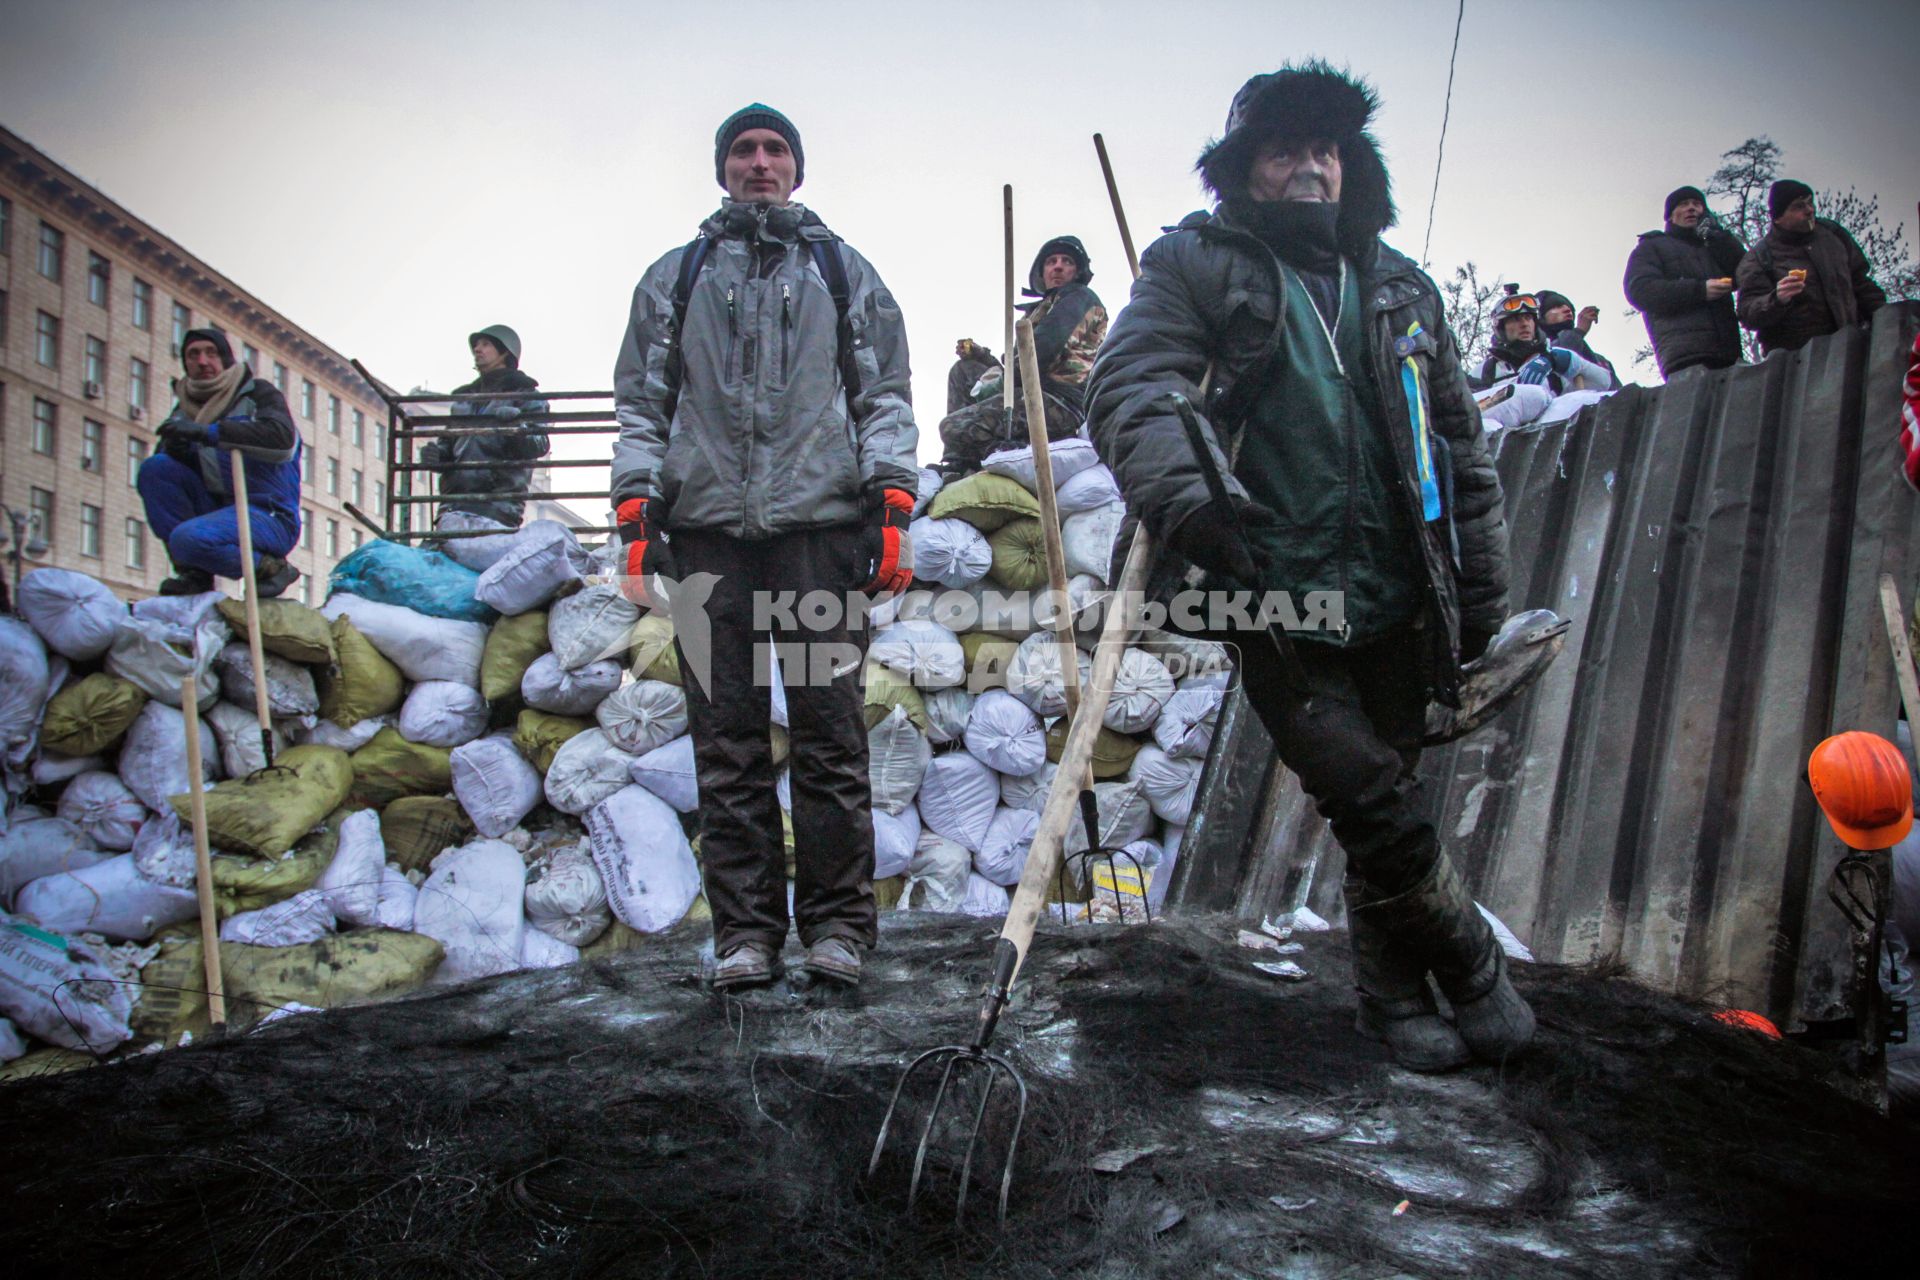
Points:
[(767, 438)]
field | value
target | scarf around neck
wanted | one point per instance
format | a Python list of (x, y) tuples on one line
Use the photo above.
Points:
[(1302, 232), (207, 398)]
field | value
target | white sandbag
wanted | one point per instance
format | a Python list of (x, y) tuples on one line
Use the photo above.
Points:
[(24, 688), (1029, 792), (442, 713), (947, 712), (1169, 783), (325, 733), (477, 554), (958, 798), (777, 692), (1068, 457), (1033, 674), (110, 898), (644, 859), (1141, 687), (303, 918), (544, 557), (184, 612), (423, 648), (50, 768), (1002, 856), (33, 847), (1003, 734), (669, 773), (1125, 816), (398, 896), (351, 883), (552, 688), (1087, 597), (567, 896), (1527, 402), (984, 897), (102, 807), (1090, 489), (62, 990), (897, 756), (76, 615), (927, 488), (895, 837), (1565, 406), (1088, 538), (540, 950), (1185, 727), (237, 731), (643, 715), (290, 690), (157, 657), (937, 877), (950, 552), (1171, 838), (471, 903), (163, 851), (153, 758), (495, 784), (1508, 940), (590, 625), (12, 1043), (586, 770), (923, 651)]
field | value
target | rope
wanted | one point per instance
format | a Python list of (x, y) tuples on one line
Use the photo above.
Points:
[(1434, 203)]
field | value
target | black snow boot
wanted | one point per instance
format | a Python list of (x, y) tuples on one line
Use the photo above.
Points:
[(187, 582), (1467, 963), (272, 575), (1396, 1005)]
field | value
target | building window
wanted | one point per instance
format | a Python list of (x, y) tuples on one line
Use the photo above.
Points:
[(53, 251), (136, 382), (306, 399), (359, 418), (96, 364), (93, 445), (5, 311), (46, 339), (182, 321), (358, 488), (356, 537), (99, 277), (250, 355), (89, 531), (306, 588), (142, 304), (280, 377), (333, 539), (40, 513), (136, 454), (306, 528), (6, 225), (333, 477), (380, 498), (380, 439), (333, 415), (136, 544), (46, 419), (306, 467)]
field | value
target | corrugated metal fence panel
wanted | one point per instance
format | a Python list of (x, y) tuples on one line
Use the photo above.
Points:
[(1717, 543)]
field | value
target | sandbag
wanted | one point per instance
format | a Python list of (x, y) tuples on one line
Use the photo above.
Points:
[(958, 798), (984, 897), (248, 884), (418, 829), (544, 558), (653, 655), (548, 686), (1185, 727), (62, 990), (644, 859), (1002, 855), (103, 808), (109, 898), (325, 733), (478, 554), (985, 500), (494, 784), (926, 485), (669, 772), (163, 851), (1169, 783), (512, 646), (425, 581), (472, 905), (947, 712), (1030, 791), (643, 715), (390, 767), (34, 847), (895, 837), (1171, 838), (50, 768), (12, 1043), (158, 657), (290, 689), (361, 682), (305, 917), (586, 770), (287, 627), (237, 731), (541, 950), (398, 896), (1125, 816), (1523, 403), (77, 616), (1088, 538), (1019, 555), (184, 612), (1141, 687), (441, 713), (937, 877), (539, 736), (1033, 674), (1092, 488), (950, 552), (591, 625), (922, 650), (1003, 734), (988, 657), (1067, 459), (153, 759), (265, 814), (424, 647), (90, 715), (897, 757), (352, 881), (1112, 752), (883, 689), (567, 898)]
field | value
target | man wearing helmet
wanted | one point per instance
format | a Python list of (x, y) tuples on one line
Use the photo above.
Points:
[(493, 433), (1522, 349)]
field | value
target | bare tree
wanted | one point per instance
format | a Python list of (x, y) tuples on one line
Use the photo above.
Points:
[(1743, 177), (1887, 258), (1469, 305)]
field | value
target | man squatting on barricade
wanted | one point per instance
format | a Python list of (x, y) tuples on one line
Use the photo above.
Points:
[(766, 430), (1338, 395)]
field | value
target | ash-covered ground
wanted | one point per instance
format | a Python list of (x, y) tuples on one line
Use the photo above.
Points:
[(1190, 1117)]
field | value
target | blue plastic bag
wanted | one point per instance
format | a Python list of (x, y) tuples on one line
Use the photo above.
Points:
[(429, 582)]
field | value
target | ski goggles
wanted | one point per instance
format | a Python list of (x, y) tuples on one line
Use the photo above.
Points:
[(1515, 304)]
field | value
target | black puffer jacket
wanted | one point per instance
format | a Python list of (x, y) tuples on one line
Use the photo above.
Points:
[(501, 438), (1666, 279)]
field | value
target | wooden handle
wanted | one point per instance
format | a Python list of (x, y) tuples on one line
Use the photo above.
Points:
[(202, 855), (1006, 350), (1049, 513), (1119, 214), (243, 517)]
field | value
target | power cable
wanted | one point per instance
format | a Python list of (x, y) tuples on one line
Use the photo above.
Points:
[(1434, 203)]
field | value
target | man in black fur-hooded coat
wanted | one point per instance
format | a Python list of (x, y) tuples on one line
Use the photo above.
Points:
[(1356, 467)]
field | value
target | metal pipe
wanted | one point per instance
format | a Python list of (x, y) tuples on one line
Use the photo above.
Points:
[(501, 493), (481, 466), (409, 433)]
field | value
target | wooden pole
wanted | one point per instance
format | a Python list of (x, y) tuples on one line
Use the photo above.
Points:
[(1119, 214), (202, 855), (243, 517), (1049, 516), (1006, 349)]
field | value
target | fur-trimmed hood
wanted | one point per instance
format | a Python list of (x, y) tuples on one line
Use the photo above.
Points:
[(1069, 245), (1310, 101)]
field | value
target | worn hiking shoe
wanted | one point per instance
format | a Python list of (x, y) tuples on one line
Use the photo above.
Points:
[(187, 582), (834, 959), (1469, 967), (1396, 1005), (272, 575), (751, 964)]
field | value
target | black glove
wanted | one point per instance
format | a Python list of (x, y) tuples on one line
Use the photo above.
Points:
[(1473, 643), (1225, 537), (180, 436)]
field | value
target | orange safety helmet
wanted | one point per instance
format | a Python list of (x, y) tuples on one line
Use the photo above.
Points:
[(1864, 788)]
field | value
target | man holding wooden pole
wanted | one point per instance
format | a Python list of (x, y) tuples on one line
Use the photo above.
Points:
[(1356, 473)]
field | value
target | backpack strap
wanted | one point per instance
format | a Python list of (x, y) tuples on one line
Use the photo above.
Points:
[(833, 269), (694, 258)]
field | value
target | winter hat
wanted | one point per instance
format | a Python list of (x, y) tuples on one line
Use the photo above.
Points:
[(757, 115), (1783, 193), (1069, 245), (1549, 300), (501, 336), (217, 338), (1675, 196)]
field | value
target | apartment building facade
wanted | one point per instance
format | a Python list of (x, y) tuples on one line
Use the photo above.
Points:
[(93, 303)]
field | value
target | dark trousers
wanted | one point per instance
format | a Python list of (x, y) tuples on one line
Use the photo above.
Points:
[(1354, 744), (741, 849)]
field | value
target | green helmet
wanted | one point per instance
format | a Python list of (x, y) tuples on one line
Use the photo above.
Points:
[(501, 336)]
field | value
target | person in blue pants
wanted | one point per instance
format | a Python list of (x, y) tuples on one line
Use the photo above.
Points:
[(221, 408)]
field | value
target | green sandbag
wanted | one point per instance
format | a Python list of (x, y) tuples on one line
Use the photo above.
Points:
[(361, 682), (512, 646), (1019, 555), (782, 744), (887, 689), (539, 734), (987, 658), (1113, 753), (266, 813), (985, 501), (287, 627), (248, 884), (389, 767), (416, 829), (91, 715), (654, 656)]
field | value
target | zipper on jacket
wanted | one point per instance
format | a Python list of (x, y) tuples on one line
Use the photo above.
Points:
[(733, 333), (786, 327)]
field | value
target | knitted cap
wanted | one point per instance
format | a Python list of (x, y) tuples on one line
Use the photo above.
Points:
[(757, 115), (1783, 193), (217, 338), (1675, 196)]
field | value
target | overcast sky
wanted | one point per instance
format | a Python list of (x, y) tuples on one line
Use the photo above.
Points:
[(393, 175)]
